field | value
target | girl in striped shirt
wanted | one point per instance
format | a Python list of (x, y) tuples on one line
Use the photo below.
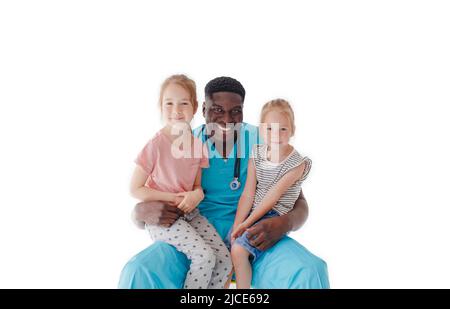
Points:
[(274, 177)]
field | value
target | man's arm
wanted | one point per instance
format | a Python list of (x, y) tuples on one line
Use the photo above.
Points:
[(266, 233), (298, 215)]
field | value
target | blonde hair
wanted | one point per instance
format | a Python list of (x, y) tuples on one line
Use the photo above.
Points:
[(183, 81), (283, 107)]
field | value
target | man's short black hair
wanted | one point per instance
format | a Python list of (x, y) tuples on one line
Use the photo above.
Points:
[(224, 83)]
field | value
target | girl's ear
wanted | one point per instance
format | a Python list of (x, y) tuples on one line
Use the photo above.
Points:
[(293, 131)]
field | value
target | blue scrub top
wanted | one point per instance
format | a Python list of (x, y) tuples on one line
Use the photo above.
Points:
[(220, 203)]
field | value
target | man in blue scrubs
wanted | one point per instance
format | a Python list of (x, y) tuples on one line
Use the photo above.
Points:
[(284, 264)]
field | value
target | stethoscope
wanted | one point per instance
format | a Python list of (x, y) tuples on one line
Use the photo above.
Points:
[(235, 183)]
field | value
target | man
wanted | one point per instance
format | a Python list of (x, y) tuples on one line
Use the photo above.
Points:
[(284, 264)]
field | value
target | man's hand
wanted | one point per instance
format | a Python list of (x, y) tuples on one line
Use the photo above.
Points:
[(156, 213), (267, 232)]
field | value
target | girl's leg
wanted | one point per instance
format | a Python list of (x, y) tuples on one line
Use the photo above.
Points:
[(242, 266), (185, 239), (227, 284), (223, 265)]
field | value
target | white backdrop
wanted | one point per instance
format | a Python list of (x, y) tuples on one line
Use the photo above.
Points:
[(370, 84)]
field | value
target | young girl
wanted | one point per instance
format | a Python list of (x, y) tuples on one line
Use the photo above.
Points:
[(169, 170), (274, 177)]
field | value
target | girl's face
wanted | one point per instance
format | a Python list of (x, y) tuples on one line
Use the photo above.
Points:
[(177, 107), (276, 129)]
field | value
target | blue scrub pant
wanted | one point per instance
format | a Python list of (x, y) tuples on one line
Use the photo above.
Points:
[(286, 265)]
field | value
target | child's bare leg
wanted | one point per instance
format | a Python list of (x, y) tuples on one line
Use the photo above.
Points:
[(227, 284), (242, 266)]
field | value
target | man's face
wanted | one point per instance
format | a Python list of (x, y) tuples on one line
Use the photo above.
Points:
[(224, 109)]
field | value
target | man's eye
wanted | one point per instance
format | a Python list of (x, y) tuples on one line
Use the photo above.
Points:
[(185, 103), (283, 129), (168, 103), (218, 110), (236, 112)]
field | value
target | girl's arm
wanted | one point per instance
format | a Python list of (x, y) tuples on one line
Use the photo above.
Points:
[(274, 194), (198, 184), (140, 192), (248, 194), (191, 199)]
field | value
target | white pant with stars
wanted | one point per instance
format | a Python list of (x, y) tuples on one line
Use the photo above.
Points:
[(197, 238)]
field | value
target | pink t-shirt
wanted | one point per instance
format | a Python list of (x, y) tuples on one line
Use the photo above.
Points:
[(171, 171)]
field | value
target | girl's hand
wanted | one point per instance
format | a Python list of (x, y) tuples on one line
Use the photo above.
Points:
[(190, 201), (176, 200), (238, 231), (233, 228)]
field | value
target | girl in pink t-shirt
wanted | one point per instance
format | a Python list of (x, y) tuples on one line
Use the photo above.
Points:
[(168, 169)]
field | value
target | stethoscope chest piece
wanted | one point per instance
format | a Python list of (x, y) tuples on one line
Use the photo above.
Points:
[(235, 184)]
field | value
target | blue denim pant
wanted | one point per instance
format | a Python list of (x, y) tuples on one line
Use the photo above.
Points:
[(245, 242)]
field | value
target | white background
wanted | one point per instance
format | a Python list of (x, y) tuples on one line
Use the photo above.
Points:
[(370, 84)]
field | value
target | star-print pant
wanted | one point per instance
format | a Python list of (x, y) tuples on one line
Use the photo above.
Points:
[(197, 238)]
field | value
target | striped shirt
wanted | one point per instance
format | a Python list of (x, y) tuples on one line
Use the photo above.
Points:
[(269, 173)]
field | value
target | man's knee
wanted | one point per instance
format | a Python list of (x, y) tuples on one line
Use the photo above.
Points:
[(290, 266), (135, 276), (311, 275), (158, 266), (320, 265)]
